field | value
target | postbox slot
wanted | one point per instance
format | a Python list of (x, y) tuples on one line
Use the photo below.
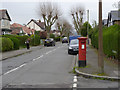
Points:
[(82, 41)]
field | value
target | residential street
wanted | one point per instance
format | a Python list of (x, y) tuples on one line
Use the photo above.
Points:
[(49, 67)]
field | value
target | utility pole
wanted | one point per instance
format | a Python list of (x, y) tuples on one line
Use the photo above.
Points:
[(100, 48)]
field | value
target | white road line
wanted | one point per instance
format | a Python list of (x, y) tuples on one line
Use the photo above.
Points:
[(75, 77), (75, 85), (14, 69), (48, 52), (37, 58), (75, 82), (53, 49)]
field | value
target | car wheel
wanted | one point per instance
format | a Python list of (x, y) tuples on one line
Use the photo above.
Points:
[(68, 52)]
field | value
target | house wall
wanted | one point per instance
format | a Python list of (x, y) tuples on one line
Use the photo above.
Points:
[(33, 25)]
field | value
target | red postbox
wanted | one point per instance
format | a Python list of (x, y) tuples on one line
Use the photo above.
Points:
[(82, 52)]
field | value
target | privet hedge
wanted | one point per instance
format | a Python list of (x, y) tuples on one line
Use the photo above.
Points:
[(6, 44), (111, 40), (35, 40)]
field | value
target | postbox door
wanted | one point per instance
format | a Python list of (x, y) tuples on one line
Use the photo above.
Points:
[(82, 50)]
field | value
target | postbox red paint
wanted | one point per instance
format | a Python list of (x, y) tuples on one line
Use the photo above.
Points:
[(82, 52)]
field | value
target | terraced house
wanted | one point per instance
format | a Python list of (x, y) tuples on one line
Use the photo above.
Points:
[(4, 22)]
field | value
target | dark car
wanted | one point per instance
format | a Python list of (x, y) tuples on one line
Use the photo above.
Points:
[(49, 42), (73, 46), (65, 40)]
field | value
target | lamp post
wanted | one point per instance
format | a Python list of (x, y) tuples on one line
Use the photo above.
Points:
[(100, 47)]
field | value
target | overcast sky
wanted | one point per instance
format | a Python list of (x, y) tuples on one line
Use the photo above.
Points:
[(22, 11)]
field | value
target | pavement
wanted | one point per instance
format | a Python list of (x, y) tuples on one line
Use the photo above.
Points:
[(92, 70)]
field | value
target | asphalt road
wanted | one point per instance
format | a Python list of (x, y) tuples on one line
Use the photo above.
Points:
[(48, 67)]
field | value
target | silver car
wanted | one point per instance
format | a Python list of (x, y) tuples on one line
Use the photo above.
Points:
[(73, 46)]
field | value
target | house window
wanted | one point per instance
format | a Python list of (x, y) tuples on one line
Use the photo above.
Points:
[(3, 23)]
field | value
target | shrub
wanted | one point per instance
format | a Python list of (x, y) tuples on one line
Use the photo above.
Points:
[(52, 36), (15, 42), (22, 39), (57, 38), (6, 44), (35, 40)]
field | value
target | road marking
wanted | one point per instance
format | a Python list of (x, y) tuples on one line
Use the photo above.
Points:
[(53, 49), (48, 52), (75, 82), (14, 69), (75, 85), (75, 77), (37, 58)]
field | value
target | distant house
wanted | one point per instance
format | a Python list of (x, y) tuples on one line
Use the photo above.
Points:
[(104, 22), (36, 25), (113, 18), (21, 30), (4, 22)]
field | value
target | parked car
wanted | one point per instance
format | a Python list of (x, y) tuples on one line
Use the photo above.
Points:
[(49, 42), (65, 40), (73, 46)]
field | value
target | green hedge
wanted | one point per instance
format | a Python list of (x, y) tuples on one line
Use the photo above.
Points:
[(52, 36), (57, 39), (6, 44), (21, 39), (35, 40), (15, 42), (111, 40)]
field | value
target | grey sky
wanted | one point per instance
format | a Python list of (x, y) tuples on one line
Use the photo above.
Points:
[(22, 12)]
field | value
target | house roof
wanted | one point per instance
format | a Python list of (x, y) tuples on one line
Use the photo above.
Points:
[(114, 15), (40, 24), (2, 14), (24, 28)]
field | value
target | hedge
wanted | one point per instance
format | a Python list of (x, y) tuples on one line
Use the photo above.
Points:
[(6, 44), (111, 40), (35, 40), (15, 42), (57, 39), (52, 36), (21, 39)]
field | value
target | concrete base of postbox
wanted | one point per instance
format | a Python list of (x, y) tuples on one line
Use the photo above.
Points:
[(81, 63)]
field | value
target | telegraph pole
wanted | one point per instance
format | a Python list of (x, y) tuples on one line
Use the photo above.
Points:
[(100, 48)]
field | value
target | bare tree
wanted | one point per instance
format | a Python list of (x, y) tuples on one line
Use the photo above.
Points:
[(64, 27), (50, 13), (117, 5), (77, 15)]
